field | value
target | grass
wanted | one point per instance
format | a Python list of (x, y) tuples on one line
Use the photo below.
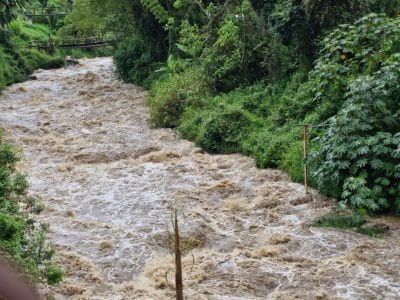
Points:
[(356, 222), (17, 61), (374, 231), (335, 220), (26, 31)]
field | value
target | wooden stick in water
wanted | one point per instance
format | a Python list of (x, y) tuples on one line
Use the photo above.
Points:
[(178, 262)]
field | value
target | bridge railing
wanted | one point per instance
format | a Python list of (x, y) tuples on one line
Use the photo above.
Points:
[(43, 12), (82, 42), (33, 14)]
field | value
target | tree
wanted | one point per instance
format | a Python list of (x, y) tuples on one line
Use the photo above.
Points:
[(6, 10)]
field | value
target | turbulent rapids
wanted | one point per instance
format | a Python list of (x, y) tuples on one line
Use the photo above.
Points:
[(110, 183)]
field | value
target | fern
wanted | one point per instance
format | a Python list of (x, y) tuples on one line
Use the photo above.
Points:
[(155, 7)]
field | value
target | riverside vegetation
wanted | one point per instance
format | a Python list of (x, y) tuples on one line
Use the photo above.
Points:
[(17, 60), (240, 76), (22, 238)]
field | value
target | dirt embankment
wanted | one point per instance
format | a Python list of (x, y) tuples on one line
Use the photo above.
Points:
[(110, 182)]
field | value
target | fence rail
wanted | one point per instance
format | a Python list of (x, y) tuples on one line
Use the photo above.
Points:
[(87, 42), (32, 15)]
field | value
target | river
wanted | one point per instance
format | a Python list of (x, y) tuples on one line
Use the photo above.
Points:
[(110, 184)]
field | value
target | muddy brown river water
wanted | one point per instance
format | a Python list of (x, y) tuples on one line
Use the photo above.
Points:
[(110, 182)]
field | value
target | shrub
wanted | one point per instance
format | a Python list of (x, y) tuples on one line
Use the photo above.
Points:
[(250, 129), (37, 59), (20, 184), (171, 95), (348, 52), (10, 69), (21, 239), (293, 161), (267, 145), (135, 59), (16, 62), (224, 129), (225, 122), (191, 122), (8, 157), (355, 221), (374, 231), (341, 220), (54, 274), (10, 228), (359, 152), (358, 82)]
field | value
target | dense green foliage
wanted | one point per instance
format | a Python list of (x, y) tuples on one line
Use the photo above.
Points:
[(219, 130), (172, 94), (50, 10), (236, 57), (341, 221), (136, 60), (358, 158), (21, 238), (16, 60), (83, 20), (7, 10), (240, 76)]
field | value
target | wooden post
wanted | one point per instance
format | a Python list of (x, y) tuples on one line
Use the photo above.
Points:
[(305, 160), (178, 262)]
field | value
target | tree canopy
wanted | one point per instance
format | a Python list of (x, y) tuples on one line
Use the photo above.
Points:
[(7, 10)]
